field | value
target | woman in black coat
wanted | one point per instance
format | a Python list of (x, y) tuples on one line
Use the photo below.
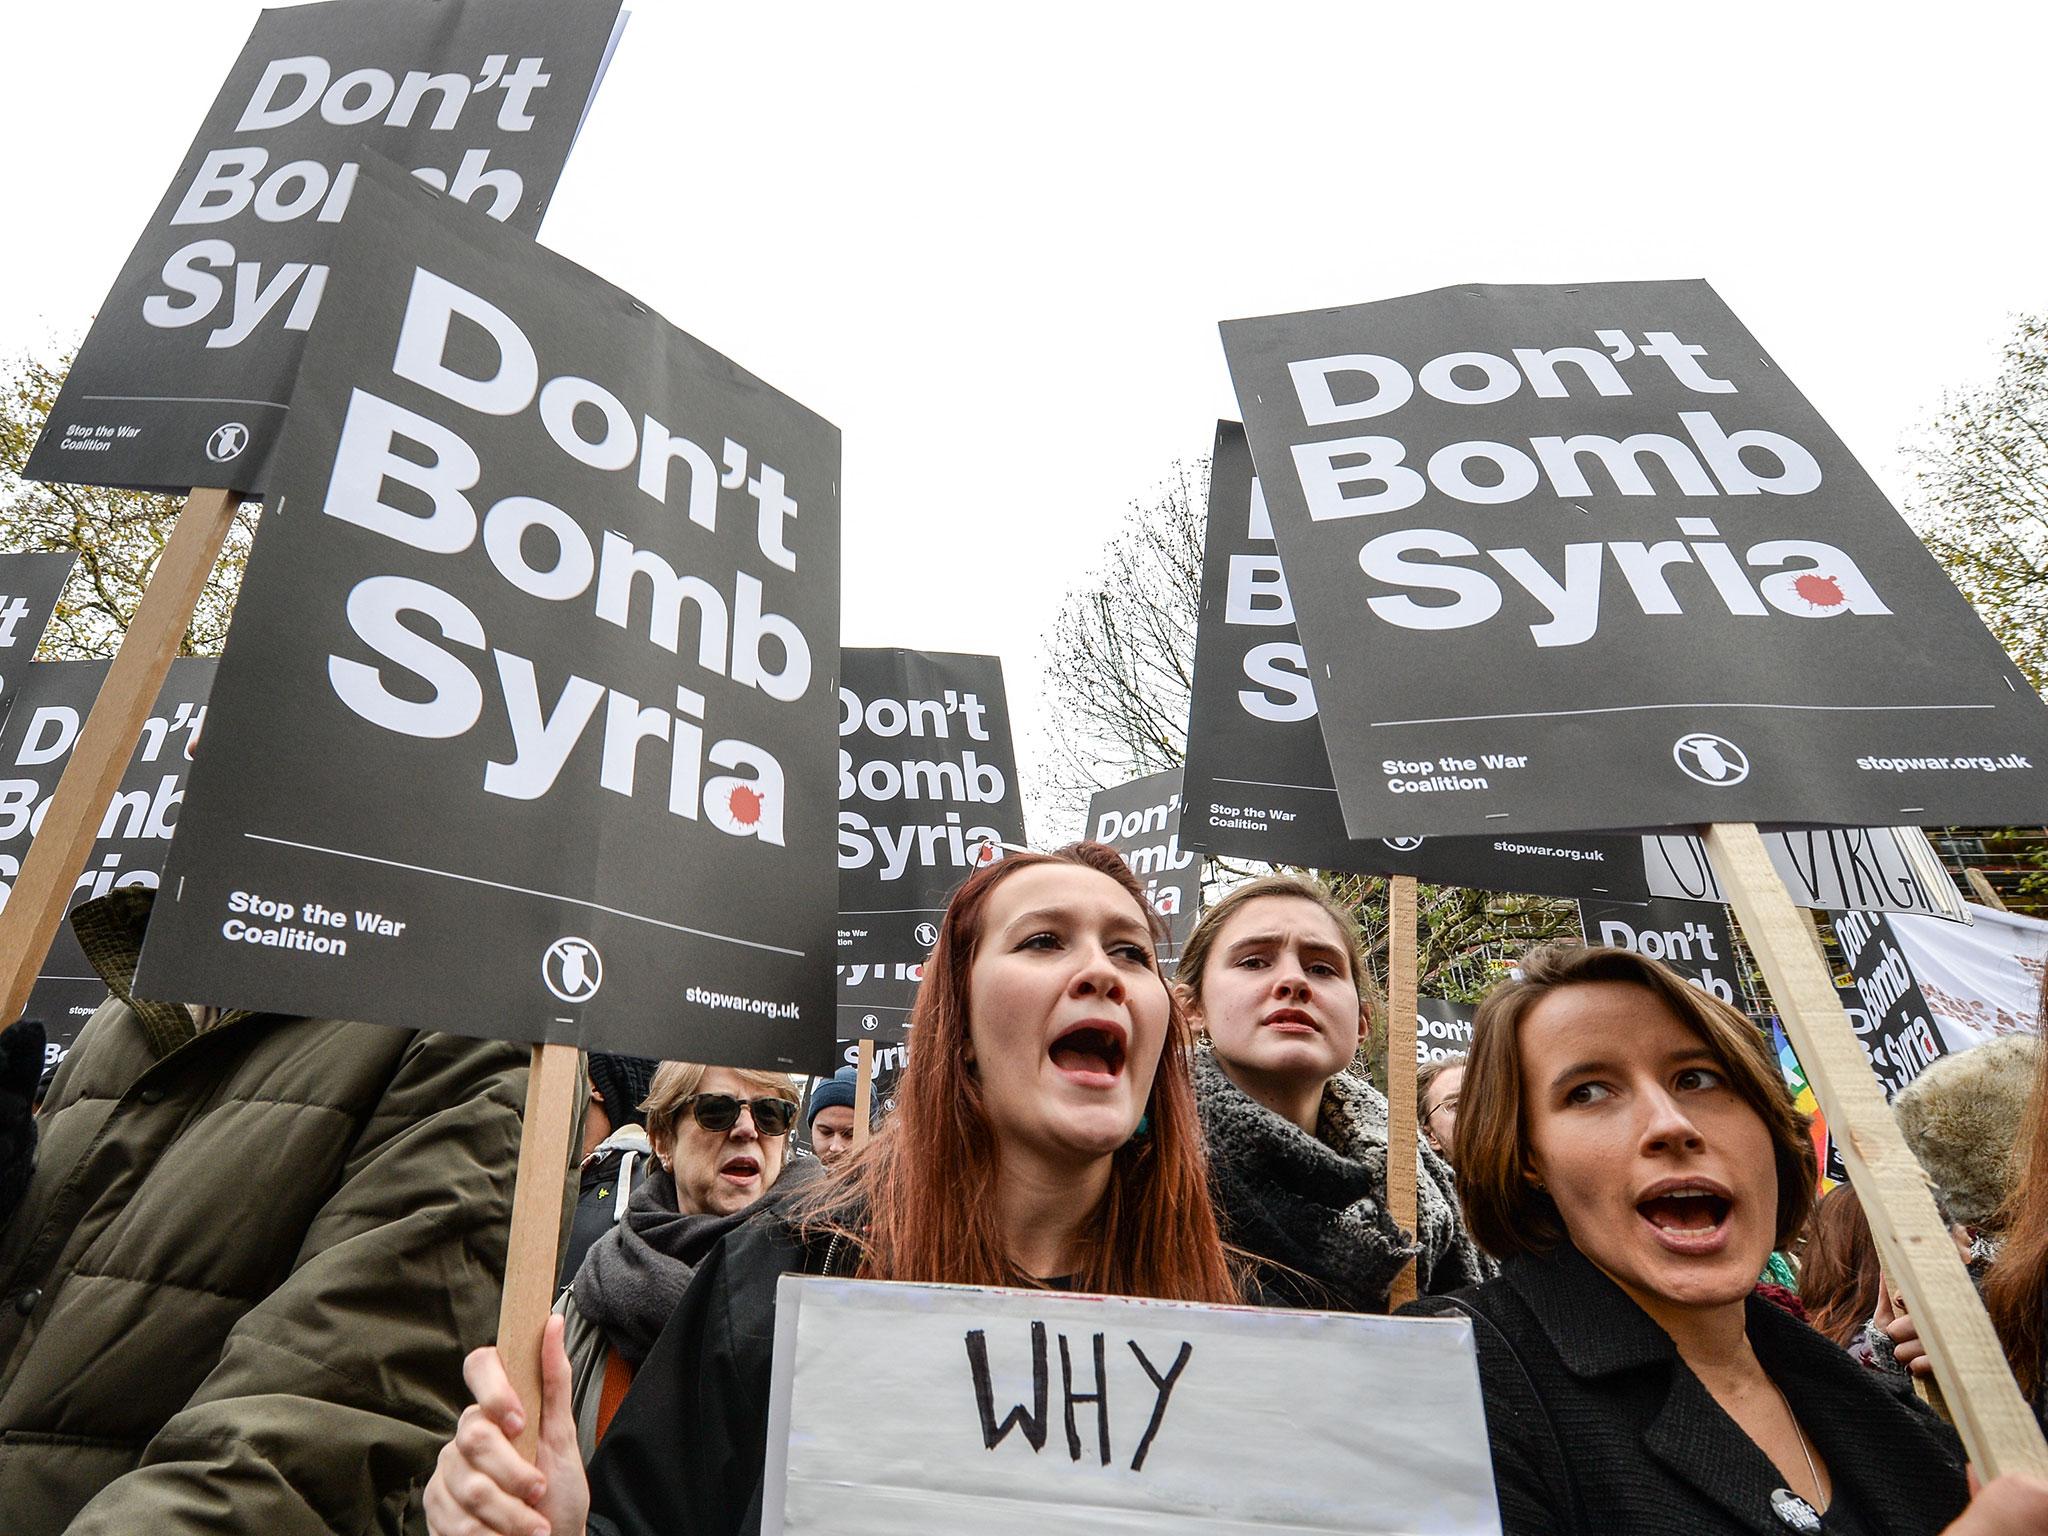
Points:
[(1627, 1147), (1046, 1135)]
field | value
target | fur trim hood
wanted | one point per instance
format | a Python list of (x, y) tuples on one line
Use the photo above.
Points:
[(1312, 1209), (1962, 1117)]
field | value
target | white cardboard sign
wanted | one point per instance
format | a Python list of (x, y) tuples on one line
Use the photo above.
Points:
[(1832, 869), (905, 1409)]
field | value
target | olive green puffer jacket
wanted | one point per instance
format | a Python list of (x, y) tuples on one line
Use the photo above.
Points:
[(237, 1295)]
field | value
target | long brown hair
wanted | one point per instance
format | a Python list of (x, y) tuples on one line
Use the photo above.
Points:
[(919, 1198), (1504, 1210), (2016, 1285), (1838, 1271)]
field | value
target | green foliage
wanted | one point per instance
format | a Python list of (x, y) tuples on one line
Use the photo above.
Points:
[(117, 535), (1981, 502)]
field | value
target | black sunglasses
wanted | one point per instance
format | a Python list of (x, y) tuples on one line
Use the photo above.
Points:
[(721, 1112)]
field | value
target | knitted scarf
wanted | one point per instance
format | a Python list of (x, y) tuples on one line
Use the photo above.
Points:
[(1316, 1205), (635, 1274)]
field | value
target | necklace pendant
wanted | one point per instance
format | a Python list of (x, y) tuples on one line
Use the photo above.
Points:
[(1793, 1512)]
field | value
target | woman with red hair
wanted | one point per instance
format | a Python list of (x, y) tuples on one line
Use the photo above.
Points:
[(1045, 1135)]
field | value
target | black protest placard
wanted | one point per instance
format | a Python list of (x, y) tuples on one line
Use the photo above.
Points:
[(1141, 820), (1442, 1029), (1895, 1025), (927, 790), (1583, 557), (186, 375), (29, 585), (1257, 779), (135, 833), (1694, 938), (524, 726)]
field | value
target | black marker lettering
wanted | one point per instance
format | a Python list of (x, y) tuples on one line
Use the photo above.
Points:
[(1165, 1386), (1033, 1423)]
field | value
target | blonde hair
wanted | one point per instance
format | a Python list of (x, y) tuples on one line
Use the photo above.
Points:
[(675, 1081)]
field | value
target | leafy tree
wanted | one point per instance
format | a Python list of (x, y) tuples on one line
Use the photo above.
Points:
[(1980, 501), (117, 535), (1981, 495)]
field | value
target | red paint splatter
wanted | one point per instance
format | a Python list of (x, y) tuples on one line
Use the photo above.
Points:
[(1820, 591), (745, 805)]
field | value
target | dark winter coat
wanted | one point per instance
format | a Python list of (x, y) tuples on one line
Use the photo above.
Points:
[(1599, 1429), (684, 1456), (1313, 1209), (604, 1185), (236, 1297), (628, 1288)]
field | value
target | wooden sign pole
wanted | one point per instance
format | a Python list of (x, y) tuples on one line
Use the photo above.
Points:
[(42, 893), (1980, 887), (1402, 1162), (1997, 1427), (530, 1253), (863, 1094)]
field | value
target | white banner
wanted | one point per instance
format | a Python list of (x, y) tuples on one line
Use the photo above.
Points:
[(898, 1410), (1831, 869), (1980, 981)]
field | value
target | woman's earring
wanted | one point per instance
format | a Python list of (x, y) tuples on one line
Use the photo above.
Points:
[(1144, 1128)]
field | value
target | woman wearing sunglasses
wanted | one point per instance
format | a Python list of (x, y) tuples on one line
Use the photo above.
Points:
[(1045, 1134), (719, 1139)]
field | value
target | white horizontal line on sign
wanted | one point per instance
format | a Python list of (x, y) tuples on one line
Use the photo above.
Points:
[(1625, 709), (880, 911), (499, 885), (1318, 789), (276, 405)]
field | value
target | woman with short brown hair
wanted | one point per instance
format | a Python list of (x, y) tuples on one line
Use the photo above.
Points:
[(1626, 1146), (721, 1138), (1507, 1213)]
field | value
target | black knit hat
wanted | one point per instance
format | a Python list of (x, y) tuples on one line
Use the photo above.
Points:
[(624, 1081), (836, 1089)]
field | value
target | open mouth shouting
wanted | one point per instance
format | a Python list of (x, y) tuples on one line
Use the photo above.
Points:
[(742, 1169), (1688, 1215), (1090, 1053)]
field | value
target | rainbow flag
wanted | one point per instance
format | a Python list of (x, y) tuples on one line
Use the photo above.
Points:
[(1803, 1100)]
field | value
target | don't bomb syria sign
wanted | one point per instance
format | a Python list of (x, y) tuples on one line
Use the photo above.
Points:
[(525, 725), (186, 376), (1583, 557)]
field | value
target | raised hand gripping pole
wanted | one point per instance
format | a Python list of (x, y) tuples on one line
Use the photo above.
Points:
[(1997, 1427)]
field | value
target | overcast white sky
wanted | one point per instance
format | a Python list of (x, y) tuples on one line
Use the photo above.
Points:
[(992, 243)]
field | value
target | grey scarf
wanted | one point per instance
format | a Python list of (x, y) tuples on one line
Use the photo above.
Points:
[(636, 1273), (1316, 1205)]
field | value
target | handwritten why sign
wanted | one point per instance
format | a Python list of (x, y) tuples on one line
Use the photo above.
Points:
[(1014, 1412)]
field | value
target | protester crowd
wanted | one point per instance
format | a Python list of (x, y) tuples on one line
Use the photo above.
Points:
[(252, 1264)]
